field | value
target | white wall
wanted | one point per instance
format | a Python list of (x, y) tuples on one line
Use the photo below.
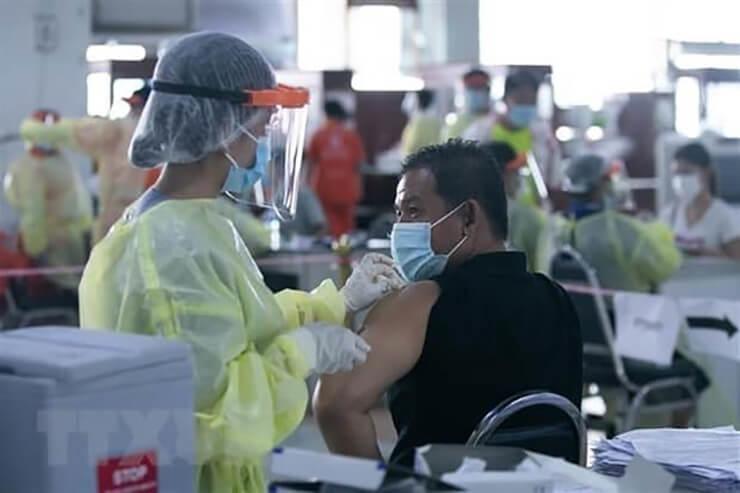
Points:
[(32, 80), (450, 29)]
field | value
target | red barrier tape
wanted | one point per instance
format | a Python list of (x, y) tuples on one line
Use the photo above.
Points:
[(44, 271)]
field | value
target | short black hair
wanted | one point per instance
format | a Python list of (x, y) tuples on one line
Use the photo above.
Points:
[(425, 98), (476, 72), (694, 153), (477, 75), (335, 110), (519, 79), (464, 171), (502, 153)]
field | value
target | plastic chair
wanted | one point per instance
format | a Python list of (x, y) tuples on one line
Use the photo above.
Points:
[(560, 438), (603, 366)]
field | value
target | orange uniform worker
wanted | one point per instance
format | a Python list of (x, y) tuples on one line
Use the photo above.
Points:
[(336, 153)]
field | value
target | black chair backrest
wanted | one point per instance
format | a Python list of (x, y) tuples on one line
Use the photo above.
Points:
[(567, 269)]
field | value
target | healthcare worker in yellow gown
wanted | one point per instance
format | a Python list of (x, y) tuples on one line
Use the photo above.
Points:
[(105, 141), (476, 108), (424, 127), (627, 254), (526, 222), (175, 266), (53, 204)]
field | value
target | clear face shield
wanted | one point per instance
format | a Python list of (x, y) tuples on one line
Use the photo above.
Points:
[(279, 153), (278, 132), (278, 189)]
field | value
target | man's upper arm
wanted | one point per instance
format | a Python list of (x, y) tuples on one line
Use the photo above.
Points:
[(395, 330)]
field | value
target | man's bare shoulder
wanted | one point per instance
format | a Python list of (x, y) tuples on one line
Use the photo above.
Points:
[(404, 309)]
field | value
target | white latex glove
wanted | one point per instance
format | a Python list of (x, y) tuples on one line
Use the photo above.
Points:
[(374, 277), (331, 348)]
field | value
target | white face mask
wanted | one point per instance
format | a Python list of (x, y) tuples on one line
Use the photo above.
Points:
[(686, 187)]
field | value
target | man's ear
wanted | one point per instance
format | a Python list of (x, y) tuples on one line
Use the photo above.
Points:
[(473, 214)]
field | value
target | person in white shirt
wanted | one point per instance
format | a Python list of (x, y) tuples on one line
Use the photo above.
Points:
[(703, 224)]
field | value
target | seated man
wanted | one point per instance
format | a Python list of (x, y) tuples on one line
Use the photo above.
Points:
[(471, 330)]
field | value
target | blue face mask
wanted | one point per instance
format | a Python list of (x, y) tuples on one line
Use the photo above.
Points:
[(411, 247), (477, 100), (521, 115), (241, 179)]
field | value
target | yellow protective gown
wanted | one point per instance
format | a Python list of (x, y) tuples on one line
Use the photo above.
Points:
[(106, 141), (55, 211), (253, 232), (457, 127), (181, 270), (627, 254), (526, 229), (422, 130)]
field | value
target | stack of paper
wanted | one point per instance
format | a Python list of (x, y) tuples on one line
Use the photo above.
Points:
[(701, 460)]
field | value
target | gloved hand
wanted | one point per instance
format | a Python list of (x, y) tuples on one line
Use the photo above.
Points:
[(330, 348), (374, 277)]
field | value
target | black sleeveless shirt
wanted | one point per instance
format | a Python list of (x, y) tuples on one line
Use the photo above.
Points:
[(495, 331)]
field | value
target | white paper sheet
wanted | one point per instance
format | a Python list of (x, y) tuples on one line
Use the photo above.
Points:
[(345, 471), (647, 327), (715, 326)]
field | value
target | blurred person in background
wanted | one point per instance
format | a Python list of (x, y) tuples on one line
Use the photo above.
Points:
[(476, 106), (520, 127), (106, 142), (53, 205), (627, 254), (10, 258), (702, 223), (526, 222), (424, 127), (336, 154)]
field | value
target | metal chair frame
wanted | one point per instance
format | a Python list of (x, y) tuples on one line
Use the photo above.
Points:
[(25, 318), (501, 413), (637, 404)]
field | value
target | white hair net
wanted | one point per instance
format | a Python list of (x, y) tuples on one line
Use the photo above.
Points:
[(176, 128)]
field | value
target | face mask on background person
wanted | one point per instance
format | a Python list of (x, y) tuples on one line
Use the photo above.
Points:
[(522, 115), (686, 187), (477, 100), (241, 179), (411, 248)]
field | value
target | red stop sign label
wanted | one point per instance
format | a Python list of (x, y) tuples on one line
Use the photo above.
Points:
[(136, 473)]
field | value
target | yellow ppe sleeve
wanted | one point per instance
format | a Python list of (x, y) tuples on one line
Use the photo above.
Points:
[(655, 255), (60, 134), (323, 304), (255, 235)]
